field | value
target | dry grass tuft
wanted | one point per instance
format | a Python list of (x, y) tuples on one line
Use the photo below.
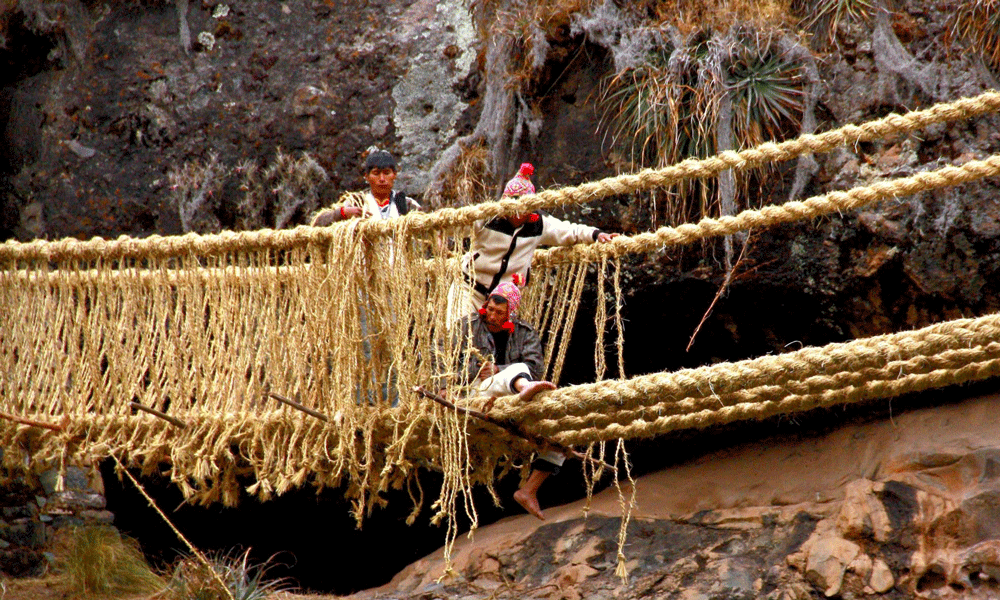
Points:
[(822, 18), (691, 15), (978, 22), (468, 181), (102, 562)]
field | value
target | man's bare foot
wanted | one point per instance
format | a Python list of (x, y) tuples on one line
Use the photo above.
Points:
[(529, 502), (533, 387)]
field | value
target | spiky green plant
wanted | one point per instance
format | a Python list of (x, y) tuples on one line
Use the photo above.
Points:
[(978, 22), (192, 579), (823, 17), (669, 109), (101, 561), (767, 92)]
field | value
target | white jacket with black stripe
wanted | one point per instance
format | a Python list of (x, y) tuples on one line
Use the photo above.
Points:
[(499, 250)]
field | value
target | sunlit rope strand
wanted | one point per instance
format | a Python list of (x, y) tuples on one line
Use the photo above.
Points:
[(817, 206), (221, 243), (721, 379)]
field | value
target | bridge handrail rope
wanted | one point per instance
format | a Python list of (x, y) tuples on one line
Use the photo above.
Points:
[(817, 206), (228, 241)]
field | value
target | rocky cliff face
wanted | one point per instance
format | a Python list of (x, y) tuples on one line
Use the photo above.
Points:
[(118, 96), (902, 508), (163, 117), (158, 117)]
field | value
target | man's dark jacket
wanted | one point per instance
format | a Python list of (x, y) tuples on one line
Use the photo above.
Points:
[(523, 346)]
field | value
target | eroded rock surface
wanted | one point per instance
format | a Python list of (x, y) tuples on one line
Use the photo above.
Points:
[(906, 508)]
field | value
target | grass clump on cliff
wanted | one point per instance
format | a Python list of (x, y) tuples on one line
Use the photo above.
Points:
[(698, 95), (978, 22), (193, 580), (101, 561)]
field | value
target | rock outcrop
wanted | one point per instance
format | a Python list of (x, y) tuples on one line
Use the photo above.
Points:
[(903, 508)]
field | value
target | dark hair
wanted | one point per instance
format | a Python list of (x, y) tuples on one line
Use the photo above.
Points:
[(380, 159), (498, 298)]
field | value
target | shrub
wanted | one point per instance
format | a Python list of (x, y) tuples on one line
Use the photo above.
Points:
[(669, 109), (978, 22), (823, 17)]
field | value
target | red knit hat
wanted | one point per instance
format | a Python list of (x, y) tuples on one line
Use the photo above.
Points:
[(510, 292), (521, 183)]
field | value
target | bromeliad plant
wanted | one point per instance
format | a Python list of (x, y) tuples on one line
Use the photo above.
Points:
[(766, 89), (723, 91), (192, 579)]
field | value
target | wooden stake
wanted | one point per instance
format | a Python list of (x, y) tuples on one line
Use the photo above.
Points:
[(538, 441), (31, 422), (296, 405), (172, 420)]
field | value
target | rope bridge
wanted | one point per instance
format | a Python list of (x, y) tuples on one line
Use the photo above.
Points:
[(207, 330)]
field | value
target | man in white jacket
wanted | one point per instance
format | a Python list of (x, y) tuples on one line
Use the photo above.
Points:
[(503, 246), (380, 201)]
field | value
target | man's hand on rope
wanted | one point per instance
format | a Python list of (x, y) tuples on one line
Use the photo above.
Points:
[(350, 212), (486, 371), (606, 237)]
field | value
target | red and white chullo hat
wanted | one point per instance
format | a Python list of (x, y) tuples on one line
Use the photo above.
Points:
[(521, 183)]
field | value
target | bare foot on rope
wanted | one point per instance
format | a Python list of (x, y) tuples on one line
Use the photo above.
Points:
[(529, 389), (529, 503)]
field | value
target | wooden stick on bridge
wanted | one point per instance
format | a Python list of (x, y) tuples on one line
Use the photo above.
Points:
[(515, 429)]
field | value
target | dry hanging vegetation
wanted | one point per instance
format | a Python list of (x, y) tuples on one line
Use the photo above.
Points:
[(978, 21)]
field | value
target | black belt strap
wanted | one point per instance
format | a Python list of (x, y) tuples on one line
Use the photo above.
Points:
[(479, 287)]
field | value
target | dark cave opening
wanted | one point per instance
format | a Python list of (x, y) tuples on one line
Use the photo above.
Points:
[(307, 537), (310, 538)]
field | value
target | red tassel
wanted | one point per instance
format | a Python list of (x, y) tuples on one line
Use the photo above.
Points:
[(508, 327), (482, 310), (533, 218), (518, 279), (526, 169)]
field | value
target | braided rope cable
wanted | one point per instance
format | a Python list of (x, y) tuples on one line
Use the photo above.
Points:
[(715, 381), (228, 241), (811, 386), (871, 390), (845, 372), (817, 206)]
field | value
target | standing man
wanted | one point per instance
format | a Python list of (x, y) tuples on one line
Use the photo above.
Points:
[(380, 201), (503, 246), (516, 368)]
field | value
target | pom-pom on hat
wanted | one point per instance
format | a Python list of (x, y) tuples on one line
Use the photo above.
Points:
[(521, 183)]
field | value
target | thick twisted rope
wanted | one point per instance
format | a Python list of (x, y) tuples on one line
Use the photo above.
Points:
[(160, 247), (880, 367), (817, 206)]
